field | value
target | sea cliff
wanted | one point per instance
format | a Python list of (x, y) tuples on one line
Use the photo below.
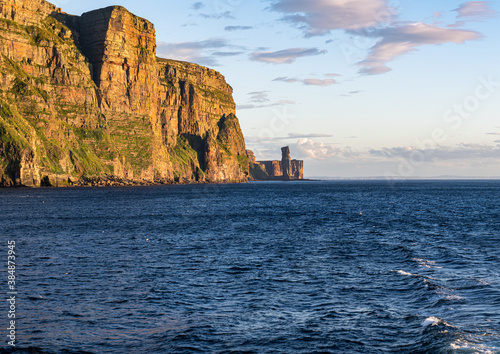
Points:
[(84, 100)]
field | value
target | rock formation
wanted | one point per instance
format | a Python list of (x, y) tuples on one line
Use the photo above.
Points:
[(284, 170), (85, 100)]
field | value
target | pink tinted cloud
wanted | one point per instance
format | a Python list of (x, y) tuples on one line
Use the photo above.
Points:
[(321, 16), (285, 56), (399, 40), (476, 11)]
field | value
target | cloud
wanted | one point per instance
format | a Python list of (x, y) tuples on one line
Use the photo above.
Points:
[(377, 19), (399, 40), (308, 82), (286, 79), (308, 136), (494, 133), (217, 16), (226, 54), (200, 52), (319, 17), (259, 96), (475, 11), (274, 104), (308, 148), (198, 6), (237, 28), (457, 24), (458, 152), (285, 56), (260, 99), (350, 93), (319, 82)]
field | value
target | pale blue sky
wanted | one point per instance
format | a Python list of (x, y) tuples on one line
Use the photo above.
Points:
[(356, 88)]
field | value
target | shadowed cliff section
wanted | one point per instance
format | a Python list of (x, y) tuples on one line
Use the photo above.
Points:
[(85, 100)]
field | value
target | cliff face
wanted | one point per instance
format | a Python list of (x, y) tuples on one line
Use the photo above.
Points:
[(86, 99)]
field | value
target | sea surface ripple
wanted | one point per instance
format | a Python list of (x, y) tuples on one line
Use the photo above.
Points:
[(267, 267)]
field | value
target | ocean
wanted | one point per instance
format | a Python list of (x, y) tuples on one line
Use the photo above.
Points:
[(264, 267)]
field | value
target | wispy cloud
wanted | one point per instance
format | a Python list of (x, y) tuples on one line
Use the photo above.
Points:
[(198, 6), (308, 136), (319, 82), (307, 148), (201, 52), (493, 133), (288, 80), (217, 16), (351, 93), (318, 17), (226, 54), (237, 28), (458, 152), (377, 19), (273, 104), (308, 82), (285, 56), (259, 96), (260, 99), (399, 40), (476, 11)]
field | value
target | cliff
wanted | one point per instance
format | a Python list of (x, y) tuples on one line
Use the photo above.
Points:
[(85, 100), (275, 170)]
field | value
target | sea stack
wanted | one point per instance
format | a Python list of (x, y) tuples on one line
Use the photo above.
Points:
[(275, 170)]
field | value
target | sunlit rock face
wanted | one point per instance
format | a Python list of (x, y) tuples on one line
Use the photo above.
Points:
[(84, 98)]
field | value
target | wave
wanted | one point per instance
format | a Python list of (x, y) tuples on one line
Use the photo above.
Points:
[(434, 321), (425, 263), (465, 346)]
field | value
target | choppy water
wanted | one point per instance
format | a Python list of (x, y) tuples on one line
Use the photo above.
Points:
[(310, 267)]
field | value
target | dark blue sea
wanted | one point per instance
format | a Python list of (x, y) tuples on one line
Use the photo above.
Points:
[(267, 267)]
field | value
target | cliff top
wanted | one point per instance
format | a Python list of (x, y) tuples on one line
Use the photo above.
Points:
[(186, 64), (116, 10)]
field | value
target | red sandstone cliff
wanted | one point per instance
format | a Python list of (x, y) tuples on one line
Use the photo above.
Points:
[(86, 100)]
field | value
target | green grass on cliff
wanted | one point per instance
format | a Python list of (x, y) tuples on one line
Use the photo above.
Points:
[(183, 153), (214, 95), (24, 84), (243, 161), (24, 88), (17, 134), (257, 172), (90, 134), (137, 150), (50, 32), (14, 128)]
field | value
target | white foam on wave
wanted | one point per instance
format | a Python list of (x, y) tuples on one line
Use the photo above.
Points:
[(464, 346), (434, 321), (431, 321), (426, 263), (481, 281), (402, 272), (454, 297)]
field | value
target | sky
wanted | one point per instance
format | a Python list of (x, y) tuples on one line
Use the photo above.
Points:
[(356, 88)]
